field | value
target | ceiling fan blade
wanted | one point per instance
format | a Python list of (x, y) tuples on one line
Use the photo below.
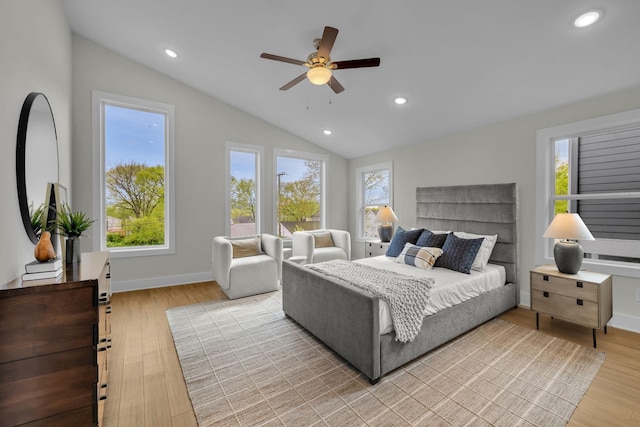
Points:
[(326, 43), (294, 82), (281, 59), (335, 85), (355, 63)]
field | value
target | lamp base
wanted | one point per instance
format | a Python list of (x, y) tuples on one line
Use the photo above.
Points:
[(568, 256), (385, 231)]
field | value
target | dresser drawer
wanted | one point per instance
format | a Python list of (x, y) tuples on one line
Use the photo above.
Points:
[(41, 387), (575, 289), (45, 325), (563, 307)]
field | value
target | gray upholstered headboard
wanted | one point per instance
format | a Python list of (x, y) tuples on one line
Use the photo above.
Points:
[(479, 209)]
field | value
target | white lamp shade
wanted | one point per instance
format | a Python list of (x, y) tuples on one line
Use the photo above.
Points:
[(386, 215), (319, 75), (568, 226)]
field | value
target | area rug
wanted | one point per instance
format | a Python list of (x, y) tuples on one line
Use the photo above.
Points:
[(246, 363)]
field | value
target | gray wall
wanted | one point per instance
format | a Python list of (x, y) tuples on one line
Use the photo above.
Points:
[(500, 153), (203, 124), (35, 47)]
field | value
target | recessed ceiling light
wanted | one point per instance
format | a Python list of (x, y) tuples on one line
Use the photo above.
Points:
[(400, 100), (327, 132), (171, 53), (587, 19)]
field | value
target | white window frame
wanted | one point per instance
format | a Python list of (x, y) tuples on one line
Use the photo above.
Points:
[(545, 187), (99, 100), (259, 152), (360, 194), (314, 157)]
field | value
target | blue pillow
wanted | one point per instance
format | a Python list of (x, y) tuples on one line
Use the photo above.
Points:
[(431, 240), (400, 239), (458, 254)]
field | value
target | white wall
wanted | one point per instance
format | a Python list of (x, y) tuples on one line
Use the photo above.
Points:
[(35, 47), (203, 124), (500, 153)]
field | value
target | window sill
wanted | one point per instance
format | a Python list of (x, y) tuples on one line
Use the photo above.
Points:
[(120, 252)]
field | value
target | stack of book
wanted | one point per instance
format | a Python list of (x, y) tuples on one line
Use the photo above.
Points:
[(43, 270)]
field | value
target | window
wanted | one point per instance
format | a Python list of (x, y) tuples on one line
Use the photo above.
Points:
[(243, 189), (134, 166), (373, 189), (300, 192), (592, 168)]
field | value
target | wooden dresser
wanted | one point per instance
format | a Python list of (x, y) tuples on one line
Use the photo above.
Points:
[(584, 298), (54, 341)]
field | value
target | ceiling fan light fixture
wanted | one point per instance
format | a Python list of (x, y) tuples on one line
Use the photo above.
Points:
[(319, 75)]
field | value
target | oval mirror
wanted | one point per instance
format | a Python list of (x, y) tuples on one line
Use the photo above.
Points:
[(36, 160)]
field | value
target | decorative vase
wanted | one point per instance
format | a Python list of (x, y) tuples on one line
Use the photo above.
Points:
[(44, 249), (72, 250)]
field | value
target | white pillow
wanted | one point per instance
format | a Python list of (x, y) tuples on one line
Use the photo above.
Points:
[(484, 253), (419, 256)]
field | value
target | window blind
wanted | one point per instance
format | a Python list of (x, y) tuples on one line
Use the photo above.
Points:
[(610, 163)]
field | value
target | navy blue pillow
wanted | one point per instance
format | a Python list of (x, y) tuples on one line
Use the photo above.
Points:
[(458, 254), (431, 240), (400, 239)]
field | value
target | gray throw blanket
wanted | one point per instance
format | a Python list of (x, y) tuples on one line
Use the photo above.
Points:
[(406, 296)]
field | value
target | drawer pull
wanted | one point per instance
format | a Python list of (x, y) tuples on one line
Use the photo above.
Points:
[(579, 302), (545, 294), (579, 284), (545, 278)]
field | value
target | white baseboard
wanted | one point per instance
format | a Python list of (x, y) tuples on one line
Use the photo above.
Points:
[(628, 323), (159, 282)]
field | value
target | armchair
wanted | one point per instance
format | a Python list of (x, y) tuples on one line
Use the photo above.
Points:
[(322, 245), (247, 265)]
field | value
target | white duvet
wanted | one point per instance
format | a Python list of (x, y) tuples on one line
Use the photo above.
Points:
[(450, 287)]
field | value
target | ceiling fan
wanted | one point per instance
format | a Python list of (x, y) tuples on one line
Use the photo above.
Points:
[(320, 64)]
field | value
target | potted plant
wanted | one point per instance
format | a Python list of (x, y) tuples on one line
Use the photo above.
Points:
[(72, 225)]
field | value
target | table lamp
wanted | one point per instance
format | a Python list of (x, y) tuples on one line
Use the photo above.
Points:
[(568, 254), (385, 216)]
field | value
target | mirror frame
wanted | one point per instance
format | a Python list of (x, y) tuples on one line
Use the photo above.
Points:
[(21, 145)]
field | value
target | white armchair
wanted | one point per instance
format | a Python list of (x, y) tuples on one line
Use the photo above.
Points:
[(322, 245), (248, 265)]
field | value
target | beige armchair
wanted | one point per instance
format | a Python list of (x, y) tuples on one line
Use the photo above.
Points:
[(247, 265), (322, 245)]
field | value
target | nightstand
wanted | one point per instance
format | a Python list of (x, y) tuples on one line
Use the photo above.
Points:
[(584, 298), (375, 248)]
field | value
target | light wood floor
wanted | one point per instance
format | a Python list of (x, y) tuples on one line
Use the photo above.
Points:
[(146, 387)]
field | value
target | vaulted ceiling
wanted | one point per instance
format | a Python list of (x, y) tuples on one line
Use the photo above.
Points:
[(460, 64)]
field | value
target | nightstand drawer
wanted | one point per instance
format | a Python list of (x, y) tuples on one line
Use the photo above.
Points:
[(563, 307), (575, 289), (375, 249)]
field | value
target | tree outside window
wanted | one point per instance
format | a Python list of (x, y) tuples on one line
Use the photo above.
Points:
[(134, 177), (374, 191), (299, 187), (243, 192)]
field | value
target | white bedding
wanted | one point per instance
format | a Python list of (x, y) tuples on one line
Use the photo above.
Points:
[(450, 287)]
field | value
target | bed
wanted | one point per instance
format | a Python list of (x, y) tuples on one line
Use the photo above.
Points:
[(347, 319)]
